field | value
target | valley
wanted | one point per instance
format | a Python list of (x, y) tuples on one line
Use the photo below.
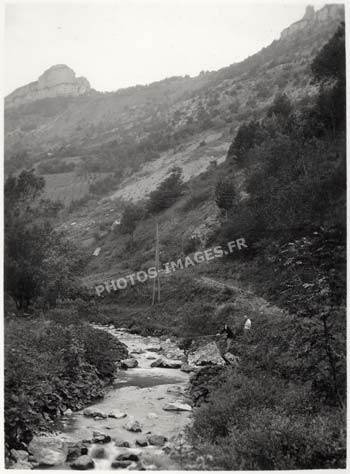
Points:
[(102, 185)]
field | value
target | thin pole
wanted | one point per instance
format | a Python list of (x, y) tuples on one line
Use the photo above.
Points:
[(158, 264), (155, 264)]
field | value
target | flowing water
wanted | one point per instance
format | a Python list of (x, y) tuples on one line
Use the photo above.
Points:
[(141, 393)]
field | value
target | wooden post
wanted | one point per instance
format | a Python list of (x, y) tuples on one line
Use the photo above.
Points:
[(158, 278), (157, 269)]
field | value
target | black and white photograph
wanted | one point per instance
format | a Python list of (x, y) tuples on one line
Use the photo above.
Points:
[(174, 235)]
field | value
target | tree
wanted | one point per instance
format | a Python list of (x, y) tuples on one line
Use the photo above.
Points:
[(328, 68), (330, 61), (225, 195), (248, 135), (167, 192), (131, 216), (38, 262), (281, 107)]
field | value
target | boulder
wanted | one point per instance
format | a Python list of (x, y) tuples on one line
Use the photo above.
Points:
[(127, 457), (98, 453), (175, 353), (121, 464), (142, 442), (121, 444), (172, 351), (177, 406), (48, 451), (154, 349), (134, 426), (129, 363), (231, 359), (157, 440), (137, 351), (100, 438), (68, 412), (152, 416), (187, 368), (206, 354), (94, 413), (166, 363), (82, 463), (19, 455), (141, 467), (117, 414), (74, 449)]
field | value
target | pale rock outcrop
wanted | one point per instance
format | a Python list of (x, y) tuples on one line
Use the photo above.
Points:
[(204, 355), (130, 363), (177, 406), (328, 12), (57, 81), (117, 414)]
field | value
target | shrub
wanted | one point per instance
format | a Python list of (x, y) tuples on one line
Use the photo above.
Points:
[(255, 424), (167, 192), (55, 166), (195, 200), (51, 367)]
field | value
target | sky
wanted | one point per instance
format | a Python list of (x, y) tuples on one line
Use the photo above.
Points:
[(129, 42)]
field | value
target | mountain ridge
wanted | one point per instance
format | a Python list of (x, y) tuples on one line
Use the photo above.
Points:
[(119, 131)]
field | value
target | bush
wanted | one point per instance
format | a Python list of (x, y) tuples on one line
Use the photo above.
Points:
[(104, 185), (167, 192), (55, 166), (257, 424), (51, 367), (79, 203), (195, 200)]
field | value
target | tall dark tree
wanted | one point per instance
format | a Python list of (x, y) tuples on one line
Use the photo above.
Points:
[(329, 68), (248, 135), (167, 192), (39, 264), (225, 195), (281, 107), (131, 216)]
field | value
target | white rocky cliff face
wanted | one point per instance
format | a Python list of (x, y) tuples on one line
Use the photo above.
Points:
[(328, 12), (59, 80)]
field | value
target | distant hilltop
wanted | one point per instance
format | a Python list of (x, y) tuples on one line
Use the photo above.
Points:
[(60, 80), (328, 12), (57, 81)]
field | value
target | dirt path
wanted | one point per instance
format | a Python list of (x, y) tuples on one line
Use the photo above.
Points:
[(244, 298)]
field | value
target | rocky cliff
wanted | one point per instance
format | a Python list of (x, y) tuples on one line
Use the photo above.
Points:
[(59, 80), (333, 12)]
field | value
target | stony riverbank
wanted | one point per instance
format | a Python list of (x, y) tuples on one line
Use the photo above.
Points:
[(139, 424)]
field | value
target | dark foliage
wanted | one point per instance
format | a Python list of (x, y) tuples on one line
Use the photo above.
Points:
[(284, 407), (132, 214), (248, 135), (167, 192), (225, 194), (50, 367), (55, 167), (39, 265)]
